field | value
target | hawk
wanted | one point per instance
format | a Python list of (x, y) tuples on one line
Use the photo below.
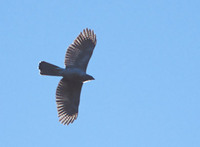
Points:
[(73, 75)]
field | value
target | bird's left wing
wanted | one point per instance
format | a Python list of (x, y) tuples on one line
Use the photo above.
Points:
[(79, 52), (67, 100)]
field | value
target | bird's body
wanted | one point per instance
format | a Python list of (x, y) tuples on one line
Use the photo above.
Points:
[(69, 73), (74, 75)]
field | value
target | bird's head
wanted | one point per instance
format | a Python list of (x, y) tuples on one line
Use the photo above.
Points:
[(87, 78)]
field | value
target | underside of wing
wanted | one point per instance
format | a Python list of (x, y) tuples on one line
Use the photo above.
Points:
[(79, 52), (67, 100)]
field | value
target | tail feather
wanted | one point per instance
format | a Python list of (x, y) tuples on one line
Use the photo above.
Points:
[(49, 69)]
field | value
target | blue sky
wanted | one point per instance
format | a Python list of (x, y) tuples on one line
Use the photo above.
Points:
[(146, 69)]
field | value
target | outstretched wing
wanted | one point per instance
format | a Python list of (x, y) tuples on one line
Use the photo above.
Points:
[(67, 100), (79, 52)]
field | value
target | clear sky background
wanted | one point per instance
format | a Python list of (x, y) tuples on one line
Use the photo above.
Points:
[(146, 65)]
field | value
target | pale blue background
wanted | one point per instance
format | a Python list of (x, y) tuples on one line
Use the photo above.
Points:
[(146, 65)]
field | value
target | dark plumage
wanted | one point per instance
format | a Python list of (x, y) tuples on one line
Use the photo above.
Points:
[(74, 75)]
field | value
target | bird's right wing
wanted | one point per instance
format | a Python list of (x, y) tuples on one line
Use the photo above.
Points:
[(67, 100), (79, 52)]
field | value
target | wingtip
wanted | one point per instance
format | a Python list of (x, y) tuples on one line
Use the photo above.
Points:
[(89, 33), (67, 119)]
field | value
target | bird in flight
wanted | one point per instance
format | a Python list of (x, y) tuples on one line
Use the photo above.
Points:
[(73, 75)]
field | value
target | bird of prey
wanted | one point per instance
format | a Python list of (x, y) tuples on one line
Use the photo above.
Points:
[(73, 75)]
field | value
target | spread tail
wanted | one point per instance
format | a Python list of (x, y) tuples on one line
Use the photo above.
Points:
[(49, 69)]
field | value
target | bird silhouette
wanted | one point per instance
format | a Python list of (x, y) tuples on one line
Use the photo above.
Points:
[(73, 75)]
